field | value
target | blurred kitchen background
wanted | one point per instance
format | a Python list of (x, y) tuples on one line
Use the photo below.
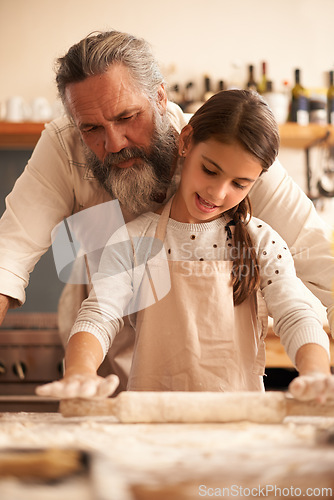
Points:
[(202, 47), (199, 45)]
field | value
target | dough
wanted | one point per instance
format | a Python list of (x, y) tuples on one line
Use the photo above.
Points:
[(200, 407), (191, 407)]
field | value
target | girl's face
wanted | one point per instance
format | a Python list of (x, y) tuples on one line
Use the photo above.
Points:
[(215, 177)]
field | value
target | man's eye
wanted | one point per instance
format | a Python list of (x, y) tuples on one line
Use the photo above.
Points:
[(128, 118), (89, 129)]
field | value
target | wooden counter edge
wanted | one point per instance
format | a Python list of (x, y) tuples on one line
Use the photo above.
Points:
[(23, 135), (26, 134)]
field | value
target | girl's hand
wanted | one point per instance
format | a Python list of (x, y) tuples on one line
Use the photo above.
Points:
[(314, 386), (80, 386)]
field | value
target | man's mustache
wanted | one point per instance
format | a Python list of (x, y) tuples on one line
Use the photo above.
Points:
[(125, 154)]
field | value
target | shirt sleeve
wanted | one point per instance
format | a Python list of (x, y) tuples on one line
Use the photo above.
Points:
[(279, 201), (295, 320), (112, 289), (41, 198), (122, 285)]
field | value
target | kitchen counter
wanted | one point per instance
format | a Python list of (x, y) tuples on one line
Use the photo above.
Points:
[(175, 461)]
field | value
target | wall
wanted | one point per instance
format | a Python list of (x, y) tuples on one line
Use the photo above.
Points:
[(194, 37)]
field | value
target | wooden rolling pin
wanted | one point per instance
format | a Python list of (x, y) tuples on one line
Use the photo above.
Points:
[(195, 407)]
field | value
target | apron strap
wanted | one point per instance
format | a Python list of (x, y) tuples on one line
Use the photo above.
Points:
[(160, 232)]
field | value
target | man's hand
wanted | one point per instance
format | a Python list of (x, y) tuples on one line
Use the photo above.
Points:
[(313, 386), (80, 386)]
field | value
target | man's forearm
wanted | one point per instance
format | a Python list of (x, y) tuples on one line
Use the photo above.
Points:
[(4, 306)]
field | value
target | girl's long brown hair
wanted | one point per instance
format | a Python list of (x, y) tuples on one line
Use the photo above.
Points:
[(242, 117)]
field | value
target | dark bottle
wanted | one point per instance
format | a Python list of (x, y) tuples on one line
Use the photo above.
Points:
[(251, 83), (330, 99), (207, 89), (299, 111), (189, 94), (221, 85), (175, 95)]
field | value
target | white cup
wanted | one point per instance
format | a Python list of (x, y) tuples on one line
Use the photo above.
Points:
[(41, 110), (57, 109), (16, 109), (279, 104)]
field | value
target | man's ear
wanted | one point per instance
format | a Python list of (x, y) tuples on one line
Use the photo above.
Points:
[(162, 99), (185, 140)]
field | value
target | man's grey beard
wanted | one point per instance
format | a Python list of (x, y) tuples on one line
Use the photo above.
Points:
[(138, 186)]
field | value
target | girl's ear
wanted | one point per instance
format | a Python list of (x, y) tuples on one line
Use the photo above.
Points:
[(185, 140)]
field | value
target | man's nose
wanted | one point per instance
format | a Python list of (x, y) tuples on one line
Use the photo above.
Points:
[(114, 140)]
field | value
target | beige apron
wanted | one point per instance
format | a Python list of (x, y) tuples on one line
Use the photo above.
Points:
[(194, 339)]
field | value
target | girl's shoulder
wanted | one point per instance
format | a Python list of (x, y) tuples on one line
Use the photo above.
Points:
[(263, 235)]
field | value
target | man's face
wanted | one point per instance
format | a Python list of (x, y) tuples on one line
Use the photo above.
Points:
[(130, 145), (112, 114)]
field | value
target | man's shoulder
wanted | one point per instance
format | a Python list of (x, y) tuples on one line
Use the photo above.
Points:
[(61, 125), (176, 116), (143, 224), (62, 131)]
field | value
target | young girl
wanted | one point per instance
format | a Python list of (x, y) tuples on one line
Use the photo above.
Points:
[(206, 333)]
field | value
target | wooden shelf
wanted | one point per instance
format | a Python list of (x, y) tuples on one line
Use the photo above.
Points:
[(302, 137), (20, 135), (25, 135)]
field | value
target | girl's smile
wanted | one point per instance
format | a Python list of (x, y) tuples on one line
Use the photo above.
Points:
[(204, 205)]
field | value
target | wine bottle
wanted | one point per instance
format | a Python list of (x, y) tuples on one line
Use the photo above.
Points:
[(251, 83), (207, 89), (262, 86), (174, 94), (189, 92), (299, 111), (330, 99), (221, 85)]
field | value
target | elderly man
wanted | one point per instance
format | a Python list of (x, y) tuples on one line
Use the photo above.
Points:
[(119, 142)]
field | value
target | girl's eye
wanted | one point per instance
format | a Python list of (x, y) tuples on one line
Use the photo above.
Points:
[(239, 186), (207, 171)]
